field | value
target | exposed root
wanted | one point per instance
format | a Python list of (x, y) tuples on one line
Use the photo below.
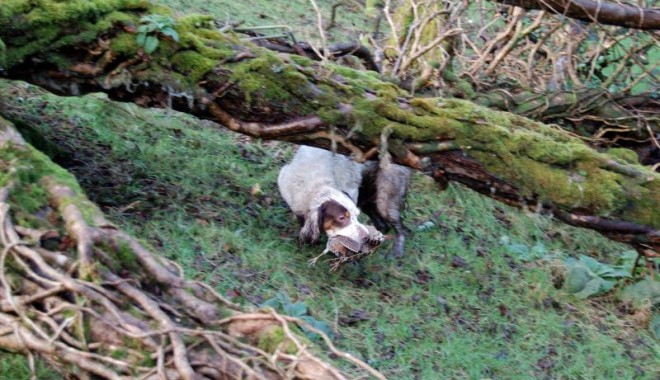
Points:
[(107, 307)]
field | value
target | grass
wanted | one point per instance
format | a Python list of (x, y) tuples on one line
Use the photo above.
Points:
[(297, 14), (462, 303)]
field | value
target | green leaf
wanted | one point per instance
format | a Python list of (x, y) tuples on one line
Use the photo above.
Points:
[(273, 302), (168, 31), (591, 263), (150, 27), (591, 288), (319, 325), (151, 44), (577, 279), (284, 298), (297, 309), (142, 29), (141, 38), (606, 286), (619, 273)]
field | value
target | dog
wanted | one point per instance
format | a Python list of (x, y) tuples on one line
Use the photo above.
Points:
[(324, 189)]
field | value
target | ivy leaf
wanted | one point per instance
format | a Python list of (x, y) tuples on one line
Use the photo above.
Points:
[(168, 31), (150, 44), (141, 38)]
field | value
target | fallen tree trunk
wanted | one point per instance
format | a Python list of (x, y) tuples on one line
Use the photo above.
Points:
[(254, 91), (93, 301)]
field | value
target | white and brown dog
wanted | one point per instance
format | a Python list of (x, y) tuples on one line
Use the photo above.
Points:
[(323, 188)]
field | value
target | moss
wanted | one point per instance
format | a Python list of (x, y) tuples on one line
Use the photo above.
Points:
[(118, 353), (302, 61), (211, 48), (29, 195), (52, 24), (643, 205), (124, 44), (372, 122), (545, 162), (624, 155), (331, 116), (268, 77), (192, 64), (274, 338), (124, 258)]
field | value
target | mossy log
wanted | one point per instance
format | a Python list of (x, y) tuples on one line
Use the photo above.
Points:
[(95, 303), (602, 118), (74, 47)]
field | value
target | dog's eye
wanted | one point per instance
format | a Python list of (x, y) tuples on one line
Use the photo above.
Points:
[(341, 218)]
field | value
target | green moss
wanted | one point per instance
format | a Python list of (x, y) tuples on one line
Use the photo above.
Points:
[(192, 64), (124, 44), (372, 122), (643, 207), (268, 77), (543, 161), (50, 24), (119, 353), (275, 338), (26, 168), (331, 116), (124, 258), (191, 22), (302, 61), (624, 155)]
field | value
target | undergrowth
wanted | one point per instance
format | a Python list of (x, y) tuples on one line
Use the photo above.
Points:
[(477, 294)]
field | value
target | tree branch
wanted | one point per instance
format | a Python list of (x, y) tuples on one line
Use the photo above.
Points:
[(604, 12)]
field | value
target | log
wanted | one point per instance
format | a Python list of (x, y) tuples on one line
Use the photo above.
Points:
[(250, 90)]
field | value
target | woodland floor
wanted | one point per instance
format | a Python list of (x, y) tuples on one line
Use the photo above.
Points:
[(478, 293)]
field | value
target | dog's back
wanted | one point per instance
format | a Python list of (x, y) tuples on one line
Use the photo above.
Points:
[(312, 169)]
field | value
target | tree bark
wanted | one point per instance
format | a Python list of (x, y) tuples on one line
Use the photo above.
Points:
[(274, 96), (604, 12)]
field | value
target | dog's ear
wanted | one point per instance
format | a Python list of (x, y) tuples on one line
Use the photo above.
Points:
[(311, 229)]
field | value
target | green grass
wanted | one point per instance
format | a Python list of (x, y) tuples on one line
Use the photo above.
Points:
[(187, 188), (16, 367), (460, 304), (297, 14)]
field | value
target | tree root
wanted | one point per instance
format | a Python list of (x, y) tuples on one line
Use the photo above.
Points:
[(103, 305)]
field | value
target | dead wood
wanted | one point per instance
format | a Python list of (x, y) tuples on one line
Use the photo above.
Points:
[(604, 12)]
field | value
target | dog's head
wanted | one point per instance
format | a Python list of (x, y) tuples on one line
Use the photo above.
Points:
[(337, 215)]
